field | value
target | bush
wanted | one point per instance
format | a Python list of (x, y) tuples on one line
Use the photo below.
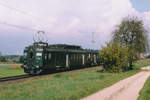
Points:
[(2, 59), (148, 56), (16, 67), (114, 58)]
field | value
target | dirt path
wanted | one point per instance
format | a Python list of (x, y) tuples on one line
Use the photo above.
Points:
[(127, 89)]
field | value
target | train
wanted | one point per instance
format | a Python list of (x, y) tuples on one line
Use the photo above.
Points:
[(41, 57)]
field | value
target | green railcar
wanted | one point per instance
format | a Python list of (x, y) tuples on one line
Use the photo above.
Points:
[(41, 57)]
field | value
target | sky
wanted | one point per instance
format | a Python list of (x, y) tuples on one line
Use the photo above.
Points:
[(141, 5), (65, 21)]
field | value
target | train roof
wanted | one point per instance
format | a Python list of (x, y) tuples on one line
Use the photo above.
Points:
[(69, 48), (65, 46)]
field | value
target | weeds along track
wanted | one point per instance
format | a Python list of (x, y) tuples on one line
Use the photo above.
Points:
[(4, 79), (21, 78)]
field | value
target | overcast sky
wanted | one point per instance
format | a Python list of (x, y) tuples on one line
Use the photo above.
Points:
[(64, 21)]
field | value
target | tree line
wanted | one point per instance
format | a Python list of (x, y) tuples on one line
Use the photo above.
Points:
[(11, 58), (129, 40)]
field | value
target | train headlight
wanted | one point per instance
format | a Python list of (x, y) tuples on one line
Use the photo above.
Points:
[(37, 66)]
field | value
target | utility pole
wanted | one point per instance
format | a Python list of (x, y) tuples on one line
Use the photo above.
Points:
[(0, 53), (93, 41)]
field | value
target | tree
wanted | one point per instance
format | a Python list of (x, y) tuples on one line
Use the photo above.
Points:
[(131, 33), (114, 57), (2, 59)]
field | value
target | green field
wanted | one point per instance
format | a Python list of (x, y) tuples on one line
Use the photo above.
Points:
[(145, 92), (65, 86), (8, 70)]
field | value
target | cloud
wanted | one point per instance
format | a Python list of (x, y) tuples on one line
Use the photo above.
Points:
[(146, 16), (62, 13), (66, 21)]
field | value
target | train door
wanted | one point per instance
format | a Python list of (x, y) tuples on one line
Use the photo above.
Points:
[(67, 60), (83, 59), (45, 58), (60, 60)]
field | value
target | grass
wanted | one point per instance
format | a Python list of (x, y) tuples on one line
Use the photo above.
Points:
[(145, 92), (65, 86), (7, 62), (6, 71), (142, 63)]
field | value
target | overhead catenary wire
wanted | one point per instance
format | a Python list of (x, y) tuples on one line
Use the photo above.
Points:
[(18, 26), (43, 37), (32, 17), (12, 8), (21, 27)]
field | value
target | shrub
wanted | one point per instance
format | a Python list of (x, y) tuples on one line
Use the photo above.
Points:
[(16, 67), (2, 59), (114, 58), (148, 56)]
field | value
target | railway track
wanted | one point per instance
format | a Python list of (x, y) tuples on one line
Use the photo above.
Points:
[(19, 77), (3, 79)]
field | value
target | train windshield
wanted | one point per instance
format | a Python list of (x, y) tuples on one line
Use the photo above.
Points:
[(39, 54), (25, 54)]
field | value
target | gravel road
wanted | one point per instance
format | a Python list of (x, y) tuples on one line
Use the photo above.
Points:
[(127, 89)]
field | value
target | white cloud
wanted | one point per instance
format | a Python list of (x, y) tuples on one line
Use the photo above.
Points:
[(146, 19), (50, 13), (68, 21)]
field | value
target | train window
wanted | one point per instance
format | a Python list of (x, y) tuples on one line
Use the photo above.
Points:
[(74, 56), (45, 56), (49, 55), (77, 57), (25, 54), (89, 55), (38, 49)]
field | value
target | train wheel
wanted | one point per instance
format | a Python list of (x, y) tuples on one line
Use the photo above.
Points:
[(31, 72), (36, 72), (68, 68)]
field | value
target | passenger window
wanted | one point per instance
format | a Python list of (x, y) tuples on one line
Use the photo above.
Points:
[(50, 56), (46, 57)]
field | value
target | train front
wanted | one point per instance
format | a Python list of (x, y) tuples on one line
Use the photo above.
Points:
[(33, 58)]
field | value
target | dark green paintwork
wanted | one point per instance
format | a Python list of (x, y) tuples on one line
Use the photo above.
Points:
[(41, 56)]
